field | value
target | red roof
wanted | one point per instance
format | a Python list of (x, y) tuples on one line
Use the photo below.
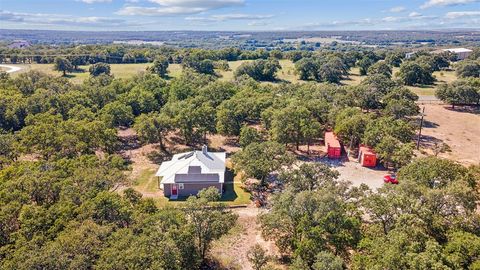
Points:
[(367, 150), (331, 140)]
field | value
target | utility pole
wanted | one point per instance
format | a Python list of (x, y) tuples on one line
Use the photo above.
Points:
[(421, 125)]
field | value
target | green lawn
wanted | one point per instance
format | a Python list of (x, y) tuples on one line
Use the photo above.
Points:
[(146, 181), (234, 194)]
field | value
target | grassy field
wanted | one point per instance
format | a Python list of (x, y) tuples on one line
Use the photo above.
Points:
[(285, 74), (118, 70), (442, 77)]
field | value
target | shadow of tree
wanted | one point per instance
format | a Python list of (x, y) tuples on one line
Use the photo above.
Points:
[(464, 109), (429, 124)]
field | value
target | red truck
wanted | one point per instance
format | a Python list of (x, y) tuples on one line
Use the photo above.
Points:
[(390, 178)]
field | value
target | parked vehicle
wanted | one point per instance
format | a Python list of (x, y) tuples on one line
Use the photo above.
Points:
[(390, 178)]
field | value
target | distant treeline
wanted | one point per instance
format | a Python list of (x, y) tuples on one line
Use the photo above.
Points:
[(240, 39), (126, 54)]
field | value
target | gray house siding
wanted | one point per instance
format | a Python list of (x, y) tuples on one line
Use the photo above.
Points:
[(190, 188)]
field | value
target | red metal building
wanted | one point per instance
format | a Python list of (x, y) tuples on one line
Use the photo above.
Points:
[(334, 149), (367, 157)]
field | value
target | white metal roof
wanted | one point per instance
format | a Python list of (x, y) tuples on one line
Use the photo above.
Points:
[(458, 50), (192, 166)]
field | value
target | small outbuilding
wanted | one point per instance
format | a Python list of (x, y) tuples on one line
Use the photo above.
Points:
[(367, 157), (334, 148)]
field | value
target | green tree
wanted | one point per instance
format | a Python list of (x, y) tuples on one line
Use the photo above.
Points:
[(463, 250), (211, 194), (400, 103), (380, 68), (387, 126), (309, 177), (287, 123), (350, 125), (63, 65), (260, 70), (394, 59), (205, 66), (312, 222), (249, 135), (117, 114), (412, 73), (364, 64), (257, 257), (8, 153), (260, 159), (99, 69), (393, 153), (468, 68), (208, 222), (464, 92), (159, 67), (327, 261), (153, 128)]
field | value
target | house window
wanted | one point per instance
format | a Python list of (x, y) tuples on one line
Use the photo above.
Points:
[(180, 186)]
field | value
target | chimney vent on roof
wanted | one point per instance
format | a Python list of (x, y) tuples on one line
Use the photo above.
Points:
[(204, 149)]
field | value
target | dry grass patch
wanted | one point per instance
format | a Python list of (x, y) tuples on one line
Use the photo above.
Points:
[(460, 130)]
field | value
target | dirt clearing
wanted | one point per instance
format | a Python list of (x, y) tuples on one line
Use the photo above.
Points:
[(459, 129), (231, 250)]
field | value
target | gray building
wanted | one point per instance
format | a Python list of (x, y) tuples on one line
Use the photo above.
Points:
[(188, 173)]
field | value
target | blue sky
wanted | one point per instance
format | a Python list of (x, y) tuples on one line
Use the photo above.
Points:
[(247, 15)]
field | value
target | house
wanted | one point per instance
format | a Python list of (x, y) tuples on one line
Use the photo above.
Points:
[(19, 44), (367, 157), (409, 55), (334, 149), (461, 53), (188, 173)]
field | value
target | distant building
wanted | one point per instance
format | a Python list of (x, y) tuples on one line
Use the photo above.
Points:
[(19, 44), (461, 53), (188, 173), (409, 55)]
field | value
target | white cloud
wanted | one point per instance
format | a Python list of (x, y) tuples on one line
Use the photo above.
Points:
[(257, 23), (210, 4), (462, 14), (436, 3), (179, 7), (61, 20), (96, 1), (228, 17), (414, 14), (397, 9)]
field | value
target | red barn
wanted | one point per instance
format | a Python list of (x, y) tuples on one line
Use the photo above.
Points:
[(367, 157), (334, 149)]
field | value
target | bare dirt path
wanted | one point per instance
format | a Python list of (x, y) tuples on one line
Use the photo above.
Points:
[(231, 250), (10, 69)]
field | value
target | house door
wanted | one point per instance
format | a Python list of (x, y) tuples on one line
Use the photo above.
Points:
[(174, 190)]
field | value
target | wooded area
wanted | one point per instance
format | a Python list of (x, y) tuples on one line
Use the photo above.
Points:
[(67, 203)]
